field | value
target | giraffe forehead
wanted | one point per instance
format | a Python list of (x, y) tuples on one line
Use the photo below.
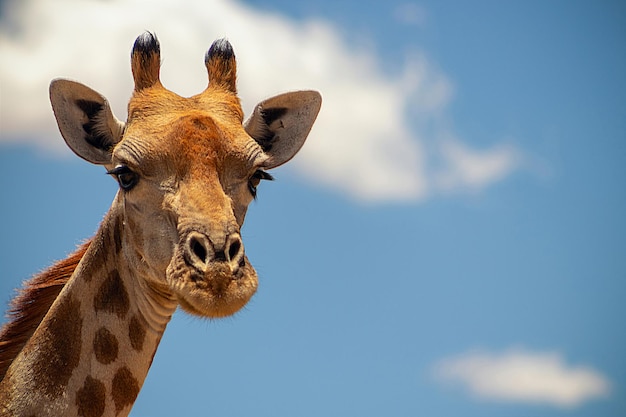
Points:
[(158, 109), (160, 103), (182, 141)]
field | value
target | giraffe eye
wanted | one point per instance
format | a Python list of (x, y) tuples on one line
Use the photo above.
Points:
[(125, 177), (255, 180)]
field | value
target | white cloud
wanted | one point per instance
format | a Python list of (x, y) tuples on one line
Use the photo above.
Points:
[(470, 169), (523, 377), (365, 143)]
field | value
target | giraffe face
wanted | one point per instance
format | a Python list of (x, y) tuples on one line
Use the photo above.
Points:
[(187, 169), (185, 193)]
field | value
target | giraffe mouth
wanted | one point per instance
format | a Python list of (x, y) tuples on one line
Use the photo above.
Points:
[(217, 291)]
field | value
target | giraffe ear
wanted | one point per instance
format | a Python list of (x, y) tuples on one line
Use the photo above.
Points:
[(282, 123), (85, 120)]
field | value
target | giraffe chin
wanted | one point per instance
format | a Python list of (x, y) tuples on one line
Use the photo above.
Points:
[(217, 293)]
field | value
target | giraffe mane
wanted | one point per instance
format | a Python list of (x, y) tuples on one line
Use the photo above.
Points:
[(31, 303)]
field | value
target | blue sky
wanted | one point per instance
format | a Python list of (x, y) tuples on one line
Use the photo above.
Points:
[(449, 242)]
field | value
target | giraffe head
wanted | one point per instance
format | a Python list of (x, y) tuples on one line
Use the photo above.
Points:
[(187, 169)]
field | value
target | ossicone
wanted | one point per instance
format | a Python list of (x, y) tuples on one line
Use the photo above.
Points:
[(221, 65), (146, 61)]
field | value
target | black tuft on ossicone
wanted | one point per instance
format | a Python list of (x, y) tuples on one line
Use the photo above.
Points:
[(221, 49), (146, 61), (147, 44)]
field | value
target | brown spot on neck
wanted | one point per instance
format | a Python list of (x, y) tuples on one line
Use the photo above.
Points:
[(58, 349), (90, 399), (137, 332), (112, 296), (105, 346), (125, 389)]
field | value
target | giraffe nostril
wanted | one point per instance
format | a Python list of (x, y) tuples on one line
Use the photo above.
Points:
[(234, 249), (198, 249)]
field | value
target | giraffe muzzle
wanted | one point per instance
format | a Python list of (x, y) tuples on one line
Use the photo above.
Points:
[(210, 274)]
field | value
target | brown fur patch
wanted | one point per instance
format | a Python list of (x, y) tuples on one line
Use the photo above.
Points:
[(125, 389), (105, 346), (118, 230), (31, 304), (137, 333), (112, 296), (90, 399), (58, 349), (97, 258)]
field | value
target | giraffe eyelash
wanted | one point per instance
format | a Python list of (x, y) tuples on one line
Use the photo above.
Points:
[(255, 179)]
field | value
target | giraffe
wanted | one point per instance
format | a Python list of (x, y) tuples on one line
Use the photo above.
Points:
[(84, 332)]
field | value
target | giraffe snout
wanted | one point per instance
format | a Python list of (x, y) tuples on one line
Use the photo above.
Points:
[(201, 252)]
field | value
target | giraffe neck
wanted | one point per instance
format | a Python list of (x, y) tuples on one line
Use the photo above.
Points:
[(92, 351)]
